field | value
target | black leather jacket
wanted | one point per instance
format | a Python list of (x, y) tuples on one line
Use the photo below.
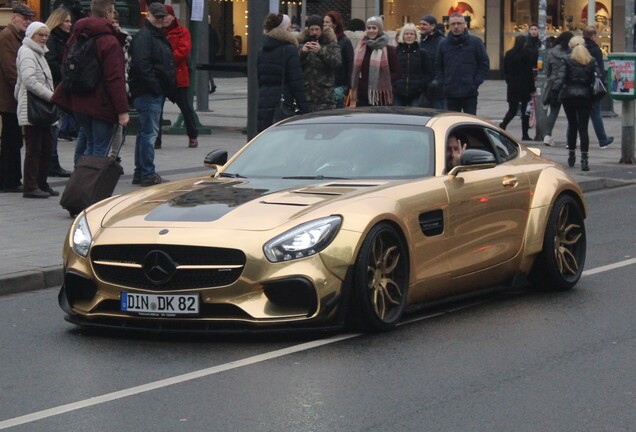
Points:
[(575, 79)]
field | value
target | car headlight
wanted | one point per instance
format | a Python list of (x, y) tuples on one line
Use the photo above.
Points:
[(304, 240), (82, 238)]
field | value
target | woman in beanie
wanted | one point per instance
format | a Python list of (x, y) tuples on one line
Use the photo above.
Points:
[(278, 55), (320, 59), (333, 19), (375, 67), (408, 88), (34, 76)]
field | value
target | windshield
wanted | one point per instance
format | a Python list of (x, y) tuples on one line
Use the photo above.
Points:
[(344, 151)]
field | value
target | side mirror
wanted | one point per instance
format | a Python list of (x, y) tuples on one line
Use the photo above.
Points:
[(472, 160), (215, 158)]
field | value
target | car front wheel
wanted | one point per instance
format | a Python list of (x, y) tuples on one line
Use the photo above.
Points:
[(560, 264), (381, 276)]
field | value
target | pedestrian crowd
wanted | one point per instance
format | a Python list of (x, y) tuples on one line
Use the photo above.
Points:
[(85, 72), (309, 70)]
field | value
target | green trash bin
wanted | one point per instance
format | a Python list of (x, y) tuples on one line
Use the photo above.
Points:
[(621, 74)]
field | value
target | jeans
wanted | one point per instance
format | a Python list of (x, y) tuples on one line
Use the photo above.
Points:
[(597, 123), (149, 108), (552, 117), (80, 145), (99, 134), (68, 125), (465, 104)]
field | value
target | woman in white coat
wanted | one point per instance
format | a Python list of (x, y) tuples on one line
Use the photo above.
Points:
[(34, 76)]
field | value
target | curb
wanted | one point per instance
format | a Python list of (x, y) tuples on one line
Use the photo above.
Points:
[(48, 277)]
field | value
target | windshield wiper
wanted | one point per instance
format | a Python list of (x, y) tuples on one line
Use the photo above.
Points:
[(231, 175), (318, 177)]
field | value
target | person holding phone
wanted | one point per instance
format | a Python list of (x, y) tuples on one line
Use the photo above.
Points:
[(320, 58)]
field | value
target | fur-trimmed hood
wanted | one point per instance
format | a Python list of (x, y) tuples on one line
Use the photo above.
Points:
[(327, 36), (277, 37)]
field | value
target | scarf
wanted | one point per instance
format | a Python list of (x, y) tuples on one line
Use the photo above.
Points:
[(380, 90)]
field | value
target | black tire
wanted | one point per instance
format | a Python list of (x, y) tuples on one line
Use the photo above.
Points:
[(560, 264), (380, 281)]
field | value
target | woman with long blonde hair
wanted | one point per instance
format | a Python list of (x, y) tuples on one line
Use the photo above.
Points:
[(574, 85)]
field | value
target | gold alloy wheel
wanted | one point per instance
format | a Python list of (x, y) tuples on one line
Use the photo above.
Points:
[(381, 279), (568, 235)]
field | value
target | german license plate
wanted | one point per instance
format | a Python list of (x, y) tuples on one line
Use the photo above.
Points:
[(160, 305)]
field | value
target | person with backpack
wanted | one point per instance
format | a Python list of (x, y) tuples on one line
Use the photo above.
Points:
[(153, 77), (93, 78)]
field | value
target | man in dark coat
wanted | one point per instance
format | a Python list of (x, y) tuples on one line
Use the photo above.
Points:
[(10, 42), (589, 34), (461, 66), (153, 77), (100, 111), (431, 37)]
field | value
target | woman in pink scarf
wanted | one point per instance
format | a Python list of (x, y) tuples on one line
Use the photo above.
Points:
[(375, 67)]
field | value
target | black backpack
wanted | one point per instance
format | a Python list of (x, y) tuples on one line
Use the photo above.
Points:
[(81, 70)]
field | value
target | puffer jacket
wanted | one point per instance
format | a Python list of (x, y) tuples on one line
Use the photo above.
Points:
[(152, 66), (319, 68), (413, 70), (279, 52), (34, 75), (10, 43), (575, 80), (553, 62)]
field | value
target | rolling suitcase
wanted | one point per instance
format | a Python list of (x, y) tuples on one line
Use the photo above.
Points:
[(93, 179)]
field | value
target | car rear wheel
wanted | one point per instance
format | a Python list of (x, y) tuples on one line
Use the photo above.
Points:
[(560, 264), (381, 276)]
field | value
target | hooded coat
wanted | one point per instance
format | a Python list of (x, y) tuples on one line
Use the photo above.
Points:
[(320, 68), (278, 54), (109, 99)]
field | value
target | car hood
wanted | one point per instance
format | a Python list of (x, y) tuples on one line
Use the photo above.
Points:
[(247, 204)]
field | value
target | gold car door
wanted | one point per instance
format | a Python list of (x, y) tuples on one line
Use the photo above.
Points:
[(487, 215)]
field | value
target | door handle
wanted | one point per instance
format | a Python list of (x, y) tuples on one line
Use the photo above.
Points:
[(510, 181)]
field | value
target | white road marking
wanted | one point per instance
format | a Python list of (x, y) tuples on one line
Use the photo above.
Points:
[(29, 418)]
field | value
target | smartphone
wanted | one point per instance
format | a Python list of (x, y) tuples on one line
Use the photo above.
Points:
[(312, 38)]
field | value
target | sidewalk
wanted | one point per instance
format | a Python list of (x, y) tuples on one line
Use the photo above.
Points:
[(32, 231)]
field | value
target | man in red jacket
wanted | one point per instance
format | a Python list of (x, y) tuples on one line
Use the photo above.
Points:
[(100, 111)]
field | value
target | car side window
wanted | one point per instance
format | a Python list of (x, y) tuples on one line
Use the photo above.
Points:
[(506, 148), (476, 138)]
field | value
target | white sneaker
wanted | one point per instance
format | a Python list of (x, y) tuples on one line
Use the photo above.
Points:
[(547, 140)]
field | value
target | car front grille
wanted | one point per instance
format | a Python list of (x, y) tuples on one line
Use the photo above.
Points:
[(167, 267)]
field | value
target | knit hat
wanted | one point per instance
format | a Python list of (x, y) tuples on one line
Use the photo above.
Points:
[(376, 21), (429, 19), (285, 23), (170, 10), (33, 28), (314, 20)]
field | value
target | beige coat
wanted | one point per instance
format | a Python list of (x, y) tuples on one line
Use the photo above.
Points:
[(34, 75)]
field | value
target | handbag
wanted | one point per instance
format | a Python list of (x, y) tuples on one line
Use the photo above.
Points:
[(599, 91), (41, 112), (284, 108)]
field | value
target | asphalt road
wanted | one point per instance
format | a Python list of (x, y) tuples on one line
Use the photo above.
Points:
[(523, 361)]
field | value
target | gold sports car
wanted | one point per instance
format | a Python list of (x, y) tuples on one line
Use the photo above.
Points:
[(338, 218)]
